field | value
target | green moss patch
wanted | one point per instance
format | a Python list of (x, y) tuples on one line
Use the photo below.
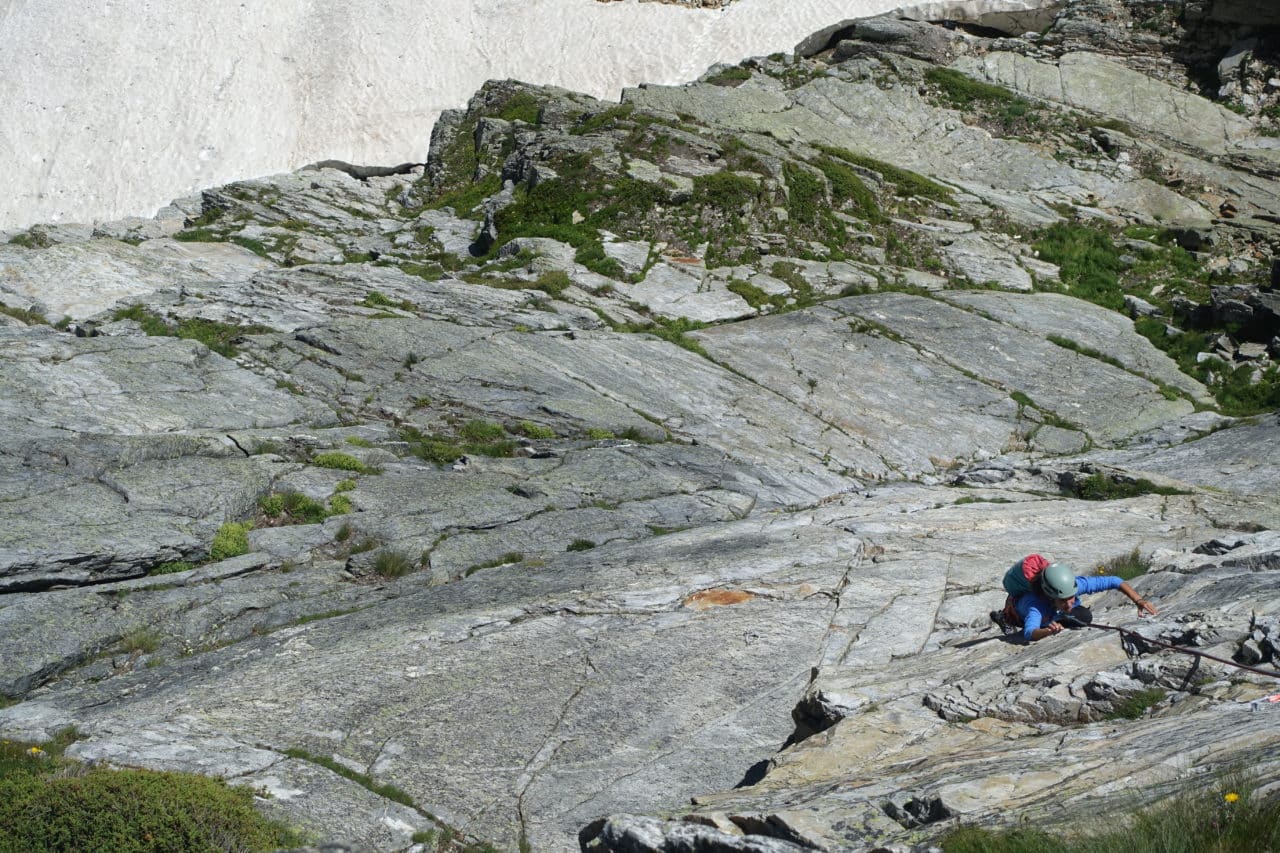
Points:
[(342, 462), (1100, 487), (476, 437), (217, 336), (906, 182), (734, 76)]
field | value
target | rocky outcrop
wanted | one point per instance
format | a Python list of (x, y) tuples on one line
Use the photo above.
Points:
[(624, 454)]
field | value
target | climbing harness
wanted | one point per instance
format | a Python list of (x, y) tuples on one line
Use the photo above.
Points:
[(1133, 641)]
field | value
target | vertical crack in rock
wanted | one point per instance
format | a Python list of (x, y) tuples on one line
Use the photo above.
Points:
[(836, 633), (553, 742), (809, 714), (237, 444)]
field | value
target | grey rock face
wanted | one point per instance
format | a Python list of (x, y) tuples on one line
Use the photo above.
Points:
[(115, 455), (1094, 83), (698, 473)]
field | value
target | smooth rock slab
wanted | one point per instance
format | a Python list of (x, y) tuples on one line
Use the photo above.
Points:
[(1242, 459), (670, 291), (620, 676), (914, 415), (1103, 85), (982, 261), (79, 280), (133, 386), (1088, 325), (1106, 402)]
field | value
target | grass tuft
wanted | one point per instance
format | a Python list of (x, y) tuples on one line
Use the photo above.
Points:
[(1226, 816), (391, 792), (392, 564), (1125, 566), (1136, 705)]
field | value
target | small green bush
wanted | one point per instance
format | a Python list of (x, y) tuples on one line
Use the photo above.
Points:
[(591, 255), (33, 239), (340, 505), (357, 441), (847, 187), (1075, 346), (231, 540), (676, 332), (347, 485), (592, 123), (506, 559), (272, 506), (532, 430), (478, 430), (1232, 386), (392, 564), (293, 508), (581, 545), (1022, 399), (374, 299), (199, 235), (26, 315), (907, 183), (466, 199), (1088, 260), (339, 461), (755, 297), (132, 811), (433, 447), (255, 246), (804, 196), (963, 91), (140, 640), (725, 191), (217, 336)]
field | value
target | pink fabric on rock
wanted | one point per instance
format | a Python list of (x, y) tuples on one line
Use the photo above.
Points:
[(1033, 565)]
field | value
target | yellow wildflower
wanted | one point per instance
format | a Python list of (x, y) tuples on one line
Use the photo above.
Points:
[(1231, 797), (35, 750)]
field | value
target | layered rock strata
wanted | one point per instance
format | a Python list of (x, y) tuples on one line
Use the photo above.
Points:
[(639, 476)]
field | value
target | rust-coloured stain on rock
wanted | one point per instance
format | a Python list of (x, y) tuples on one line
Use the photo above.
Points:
[(717, 598)]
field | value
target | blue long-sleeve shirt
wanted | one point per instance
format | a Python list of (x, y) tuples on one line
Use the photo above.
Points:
[(1037, 611)]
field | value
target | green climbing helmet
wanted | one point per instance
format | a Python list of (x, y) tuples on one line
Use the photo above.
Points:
[(1058, 581)]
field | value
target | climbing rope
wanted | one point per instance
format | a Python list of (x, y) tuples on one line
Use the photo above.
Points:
[(1132, 639)]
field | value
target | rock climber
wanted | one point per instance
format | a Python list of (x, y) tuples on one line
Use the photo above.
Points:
[(1055, 595)]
